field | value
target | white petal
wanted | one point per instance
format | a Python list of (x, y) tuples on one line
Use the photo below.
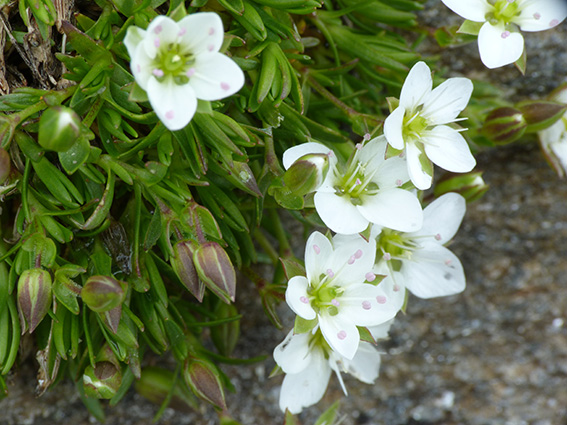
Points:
[(201, 32), (352, 259), (393, 126), (294, 153), (341, 335), (373, 153), (365, 365), (297, 298), (417, 86), (433, 271), (134, 37), (161, 32), (141, 65), (397, 209), (366, 305), (381, 331), (174, 104), (541, 15), (393, 173), (418, 176), (442, 218), (215, 77), (293, 353), (339, 214), (318, 250), (499, 47), (393, 286), (473, 10), (306, 388), (448, 149), (447, 101)]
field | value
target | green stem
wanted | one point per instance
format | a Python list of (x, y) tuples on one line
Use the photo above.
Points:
[(279, 233), (266, 246)]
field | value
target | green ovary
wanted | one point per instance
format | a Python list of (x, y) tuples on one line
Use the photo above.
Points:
[(414, 126), (504, 11), (396, 245), (172, 63), (324, 297)]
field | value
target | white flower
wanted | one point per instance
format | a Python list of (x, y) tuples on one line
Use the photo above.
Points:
[(418, 125), (499, 40), (366, 192), (177, 63), (553, 140), (338, 292), (308, 361), (418, 261)]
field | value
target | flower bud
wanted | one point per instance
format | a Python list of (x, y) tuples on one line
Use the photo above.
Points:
[(307, 173), (59, 128), (34, 297), (215, 269), (104, 379), (103, 293), (504, 125), (470, 185), (182, 263), (540, 115), (5, 165), (205, 381), (156, 384)]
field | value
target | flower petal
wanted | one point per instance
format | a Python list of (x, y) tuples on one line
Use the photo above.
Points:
[(499, 47), (134, 36), (215, 76), (141, 65), (397, 209), (294, 153), (448, 149), (381, 331), (365, 366), (393, 173), (433, 271), (306, 388), (341, 335), (393, 127), (174, 104), (161, 32), (293, 353), (297, 298), (366, 305), (442, 218), (447, 100), (352, 259), (541, 15), (201, 32), (417, 86), (318, 250), (473, 10), (419, 177), (339, 214)]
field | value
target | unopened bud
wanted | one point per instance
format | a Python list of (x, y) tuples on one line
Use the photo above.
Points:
[(103, 293), (540, 114), (182, 263), (34, 297), (307, 173), (104, 379), (470, 185), (205, 381), (5, 165), (59, 128), (216, 270), (504, 125)]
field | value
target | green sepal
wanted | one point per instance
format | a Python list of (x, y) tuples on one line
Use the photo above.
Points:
[(292, 267), (302, 325), (365, 335), (470, 27), (391, 152)]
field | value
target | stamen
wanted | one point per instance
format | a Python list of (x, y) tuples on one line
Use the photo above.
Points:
[(366, 305), (225, 86), (330, 273), (387, 256), (304, 300), (158, 73), (381, 299), (370, 277), (335, 302), (316, 249), (358, 254), (190, 72), (341, 335), (170, 115), (182, 32)]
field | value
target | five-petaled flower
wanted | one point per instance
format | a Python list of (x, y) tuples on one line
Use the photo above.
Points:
[(419, 125), (499, 40), (338, 294), (177, 63), (308, 361), (418, 261), (366, 191)]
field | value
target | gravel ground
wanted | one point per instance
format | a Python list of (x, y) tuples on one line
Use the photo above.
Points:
[(494, 355)]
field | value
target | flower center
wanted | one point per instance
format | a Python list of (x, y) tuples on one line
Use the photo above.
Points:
[(395, 247), (172, 62), (356, 181), (414, 126), (325, 295), (504, 11)]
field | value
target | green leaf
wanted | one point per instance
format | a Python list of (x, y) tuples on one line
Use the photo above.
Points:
[(76, 156), (301, 325), (329, 416)]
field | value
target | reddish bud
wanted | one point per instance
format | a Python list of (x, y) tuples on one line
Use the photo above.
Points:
[(103, 293), (182, 263), (216, 270), (205, 381), (504, 125), (34, 297)]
